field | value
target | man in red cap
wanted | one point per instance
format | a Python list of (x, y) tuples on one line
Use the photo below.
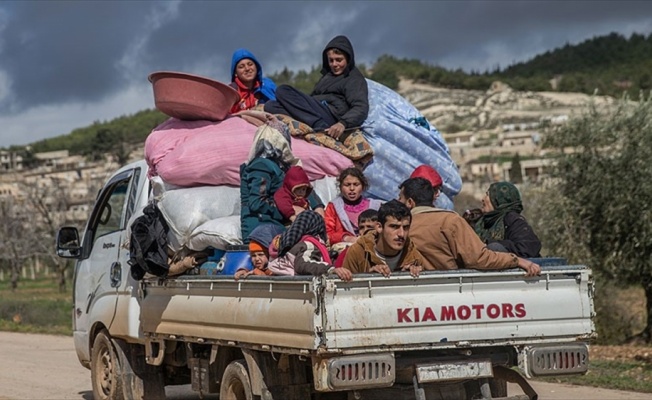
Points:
[(428, 173)]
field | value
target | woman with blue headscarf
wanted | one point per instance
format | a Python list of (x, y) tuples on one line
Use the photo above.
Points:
[(247, 79), (502, 227)]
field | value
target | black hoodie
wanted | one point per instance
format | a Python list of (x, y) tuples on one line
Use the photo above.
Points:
[(346, 94)]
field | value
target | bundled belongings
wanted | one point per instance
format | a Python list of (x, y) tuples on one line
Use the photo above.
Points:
[(402, 139), (218, 233), (351, 143), (196, 153), (186, 209), (148, 246), (195, 170)]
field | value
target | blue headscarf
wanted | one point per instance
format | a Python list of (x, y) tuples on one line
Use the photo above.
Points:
[(267, 86)]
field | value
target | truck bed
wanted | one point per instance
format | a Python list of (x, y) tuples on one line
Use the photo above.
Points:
[(440, 309)]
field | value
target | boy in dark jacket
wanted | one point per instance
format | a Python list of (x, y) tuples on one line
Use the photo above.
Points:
[(339, 101)]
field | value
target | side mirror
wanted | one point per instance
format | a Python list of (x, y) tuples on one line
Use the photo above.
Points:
[(68, 242)]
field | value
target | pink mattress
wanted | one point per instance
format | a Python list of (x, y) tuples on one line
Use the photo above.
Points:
[(196, 153)]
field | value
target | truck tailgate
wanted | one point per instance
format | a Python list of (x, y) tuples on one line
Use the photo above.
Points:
[(459, 308), (442, 309)]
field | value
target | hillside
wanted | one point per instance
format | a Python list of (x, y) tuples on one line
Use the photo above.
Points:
[(610, 65), (456, 110), (485, 129)]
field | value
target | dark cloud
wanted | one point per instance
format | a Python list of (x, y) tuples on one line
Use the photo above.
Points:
[(66, 51), (56, 53)]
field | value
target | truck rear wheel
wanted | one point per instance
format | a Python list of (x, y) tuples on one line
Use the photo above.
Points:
[(235, 383), (106, 371), (498, 387)]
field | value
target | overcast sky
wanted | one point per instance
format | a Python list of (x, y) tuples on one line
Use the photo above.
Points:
[(66, 64)]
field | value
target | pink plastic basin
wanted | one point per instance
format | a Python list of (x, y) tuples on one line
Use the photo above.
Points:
[(192, 97)]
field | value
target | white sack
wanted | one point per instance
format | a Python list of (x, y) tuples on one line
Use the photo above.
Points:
[(217, 233), (326, 188), (186, 209)]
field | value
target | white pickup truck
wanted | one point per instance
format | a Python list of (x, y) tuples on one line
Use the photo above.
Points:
[(444, 335)]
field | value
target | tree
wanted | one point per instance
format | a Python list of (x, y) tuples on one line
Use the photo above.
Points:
[(29, 159), (105, 141), (50, 206), (515, 173), (386, 76), (16, 238), (605, 185)]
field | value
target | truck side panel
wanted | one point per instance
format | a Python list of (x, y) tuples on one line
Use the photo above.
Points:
[(257, 310)]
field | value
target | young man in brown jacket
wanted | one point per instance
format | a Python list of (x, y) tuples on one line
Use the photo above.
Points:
[(387, 248), (446, 240)]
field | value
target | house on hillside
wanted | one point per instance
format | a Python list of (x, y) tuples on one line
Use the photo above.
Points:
[(9, 190), (498, 168), (532, 171), (527, 139), (59, 160), (482, 171), (459, 139), (10, 161)]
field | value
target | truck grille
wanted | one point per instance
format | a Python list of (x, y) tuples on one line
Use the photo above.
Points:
[(559, 360), (361, 371)]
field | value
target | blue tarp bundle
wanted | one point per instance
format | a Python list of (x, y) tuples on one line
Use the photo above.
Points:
[(402, 140)]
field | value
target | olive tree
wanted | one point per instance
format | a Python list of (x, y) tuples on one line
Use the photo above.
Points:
[(50, 204), (16, 238), (603, 180)]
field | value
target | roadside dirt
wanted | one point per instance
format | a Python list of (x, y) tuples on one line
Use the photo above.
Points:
[(628, 353), (46, 367)]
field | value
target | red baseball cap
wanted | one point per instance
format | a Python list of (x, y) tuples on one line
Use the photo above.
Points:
[(429, 173)]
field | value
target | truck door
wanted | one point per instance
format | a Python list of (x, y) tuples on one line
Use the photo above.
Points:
[(99, 272)]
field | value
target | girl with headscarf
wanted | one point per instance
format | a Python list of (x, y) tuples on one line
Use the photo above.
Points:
[(502, 227), (305, 243), (262, 175), (247, 78), (342, 213)]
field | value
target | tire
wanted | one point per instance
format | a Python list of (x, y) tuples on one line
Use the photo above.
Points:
[(498, 387), (235, 383), (140, 381), (106, 371)]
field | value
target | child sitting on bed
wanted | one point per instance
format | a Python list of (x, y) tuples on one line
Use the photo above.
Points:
[(296, 195)]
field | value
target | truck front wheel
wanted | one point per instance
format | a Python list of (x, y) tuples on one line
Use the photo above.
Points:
[(105, 369), (140, 381), (235, 383)]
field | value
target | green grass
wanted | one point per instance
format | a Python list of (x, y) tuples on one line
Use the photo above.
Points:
[(36, 306), (623, 375)]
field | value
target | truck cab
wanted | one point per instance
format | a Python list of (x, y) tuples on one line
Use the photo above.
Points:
[(104, 293)]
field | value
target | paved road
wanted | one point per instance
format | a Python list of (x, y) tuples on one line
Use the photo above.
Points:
[(46, 367)]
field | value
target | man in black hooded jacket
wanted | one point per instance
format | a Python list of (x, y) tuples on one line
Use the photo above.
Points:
[(339, 100)]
